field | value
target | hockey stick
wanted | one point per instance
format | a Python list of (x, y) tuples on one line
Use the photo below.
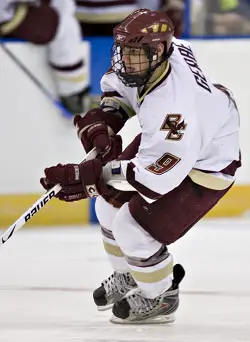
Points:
[(45, 91), (34, 209)]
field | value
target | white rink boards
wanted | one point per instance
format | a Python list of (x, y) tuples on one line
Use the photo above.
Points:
[(47, 277)]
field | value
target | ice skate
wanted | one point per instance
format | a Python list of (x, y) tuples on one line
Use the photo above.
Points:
[(136, 309), (113, 289), (77, 103)]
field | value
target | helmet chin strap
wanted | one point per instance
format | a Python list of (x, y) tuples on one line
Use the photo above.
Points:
[(153, 69)]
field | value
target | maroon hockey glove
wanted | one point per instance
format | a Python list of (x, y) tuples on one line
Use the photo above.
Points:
[(97, 129), (113, 152), (77, 181), (69, 193)]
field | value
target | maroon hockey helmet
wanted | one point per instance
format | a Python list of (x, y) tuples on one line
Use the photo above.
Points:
[(143, 30)]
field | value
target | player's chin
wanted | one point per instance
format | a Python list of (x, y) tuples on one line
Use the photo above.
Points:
[(131, 71)]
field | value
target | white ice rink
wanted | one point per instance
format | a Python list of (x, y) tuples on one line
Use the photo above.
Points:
[(47, 277)]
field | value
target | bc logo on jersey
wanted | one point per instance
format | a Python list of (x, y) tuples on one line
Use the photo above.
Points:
[(175, 125)]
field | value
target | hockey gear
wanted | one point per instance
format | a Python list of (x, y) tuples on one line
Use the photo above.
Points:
[(113, 289), (77, 181), (32, 211), (77, 103), (135, 54), (68, 193), (35, 208), (137, 309), (113, 176), (95, 129)]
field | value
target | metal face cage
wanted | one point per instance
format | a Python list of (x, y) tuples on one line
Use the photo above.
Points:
[(133, 64)]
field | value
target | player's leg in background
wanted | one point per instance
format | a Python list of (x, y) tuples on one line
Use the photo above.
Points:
[(68, 59)]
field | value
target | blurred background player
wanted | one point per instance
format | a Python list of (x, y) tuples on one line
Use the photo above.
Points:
[(228, 17), (175, 11), (53, 24), (171, 175), (98, 18), (221, 17)]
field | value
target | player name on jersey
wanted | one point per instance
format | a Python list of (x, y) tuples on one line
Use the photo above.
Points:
[(188, 56)]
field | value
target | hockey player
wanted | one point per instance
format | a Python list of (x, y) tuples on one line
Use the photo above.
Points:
[(172, 174), (99, 17), (52, 23)]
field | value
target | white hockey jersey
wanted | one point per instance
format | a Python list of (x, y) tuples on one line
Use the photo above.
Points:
[(188, 126)]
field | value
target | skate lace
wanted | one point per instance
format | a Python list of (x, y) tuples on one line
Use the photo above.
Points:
[(145, 306), (118, 283), (142, 305)]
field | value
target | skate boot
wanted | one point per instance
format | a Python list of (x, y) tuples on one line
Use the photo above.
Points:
[(136, 309), (77, 103), (113, 289)]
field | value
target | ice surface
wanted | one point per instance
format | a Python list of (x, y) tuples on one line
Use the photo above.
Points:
[(47, 277)]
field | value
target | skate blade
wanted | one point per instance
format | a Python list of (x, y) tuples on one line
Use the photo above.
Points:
[(105, 308), (161, 319)]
